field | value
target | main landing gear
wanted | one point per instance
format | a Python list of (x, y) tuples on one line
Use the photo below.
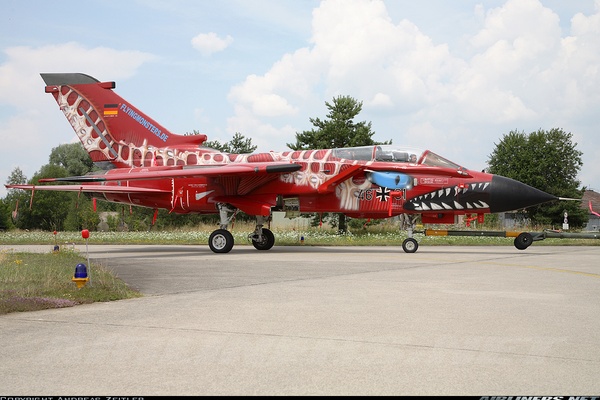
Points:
[(221, 240)]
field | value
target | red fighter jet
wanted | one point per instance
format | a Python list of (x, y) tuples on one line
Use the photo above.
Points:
[(147, 165)]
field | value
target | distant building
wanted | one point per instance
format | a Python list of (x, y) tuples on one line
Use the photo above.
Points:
[(298, 222), (512, 220), (594, 221), (103, 226)]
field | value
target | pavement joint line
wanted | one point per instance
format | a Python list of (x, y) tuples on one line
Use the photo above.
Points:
[(326, 339)]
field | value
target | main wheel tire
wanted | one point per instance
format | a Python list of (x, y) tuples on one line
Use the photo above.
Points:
[(220, 241), (266, 242), (410, 245), (523, 240)]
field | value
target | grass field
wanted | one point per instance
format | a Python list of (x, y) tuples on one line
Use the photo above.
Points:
[(35, 281), (373, 236)]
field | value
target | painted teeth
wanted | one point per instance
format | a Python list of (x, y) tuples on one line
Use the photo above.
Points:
[(442, 199)]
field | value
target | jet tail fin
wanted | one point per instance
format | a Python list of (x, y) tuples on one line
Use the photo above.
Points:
[(110, 128)]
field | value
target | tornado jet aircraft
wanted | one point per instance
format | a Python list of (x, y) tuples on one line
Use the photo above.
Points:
[(144, 164)]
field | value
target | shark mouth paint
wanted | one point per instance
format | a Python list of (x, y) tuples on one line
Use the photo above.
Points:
[(473, 196)]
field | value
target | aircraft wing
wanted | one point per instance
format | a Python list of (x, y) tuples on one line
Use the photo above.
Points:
[(349, 172), (231, 170), (88, 188), (238, 179)]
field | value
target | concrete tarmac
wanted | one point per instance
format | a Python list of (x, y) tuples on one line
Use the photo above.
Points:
[(489, 321)]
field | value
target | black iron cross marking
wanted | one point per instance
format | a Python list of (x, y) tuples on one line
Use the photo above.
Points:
[(383, 193)]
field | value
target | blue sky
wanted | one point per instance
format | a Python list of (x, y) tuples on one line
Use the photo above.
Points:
[(453, 77)]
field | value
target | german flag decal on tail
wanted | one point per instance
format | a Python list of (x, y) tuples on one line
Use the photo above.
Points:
[(111, 110)]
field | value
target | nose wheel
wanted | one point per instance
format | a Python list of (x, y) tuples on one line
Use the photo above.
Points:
[(263, 241), (410, 245), (407, 222)]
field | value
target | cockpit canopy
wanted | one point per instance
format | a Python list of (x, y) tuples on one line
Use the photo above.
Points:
[(391, 153)]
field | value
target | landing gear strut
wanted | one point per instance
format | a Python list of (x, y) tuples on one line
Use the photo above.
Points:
[(262, 238), (410, 244), (221, 240)]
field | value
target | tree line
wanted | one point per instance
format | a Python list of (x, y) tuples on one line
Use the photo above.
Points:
[(547, 160)]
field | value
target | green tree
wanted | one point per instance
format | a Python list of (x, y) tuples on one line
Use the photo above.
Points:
[(49, 208), (81, 214), (16, 177), (238, 145), (546, 160), (73, 158), (5, 212), (338, 130), (16, 199)]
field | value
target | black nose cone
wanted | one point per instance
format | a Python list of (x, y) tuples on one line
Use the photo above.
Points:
[(508, 195)]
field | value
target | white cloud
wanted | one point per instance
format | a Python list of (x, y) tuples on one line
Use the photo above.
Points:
[(36, 126), (358, 51), (289, 81), (209, 43), (520, 72), (381, 100), (247, 122), (365, 54), (362, 54), (512, 22), (20, 73)]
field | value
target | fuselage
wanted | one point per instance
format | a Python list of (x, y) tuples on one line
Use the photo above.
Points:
[(366, 182)]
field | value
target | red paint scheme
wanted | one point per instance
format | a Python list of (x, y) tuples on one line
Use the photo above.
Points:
[(153, 167)]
